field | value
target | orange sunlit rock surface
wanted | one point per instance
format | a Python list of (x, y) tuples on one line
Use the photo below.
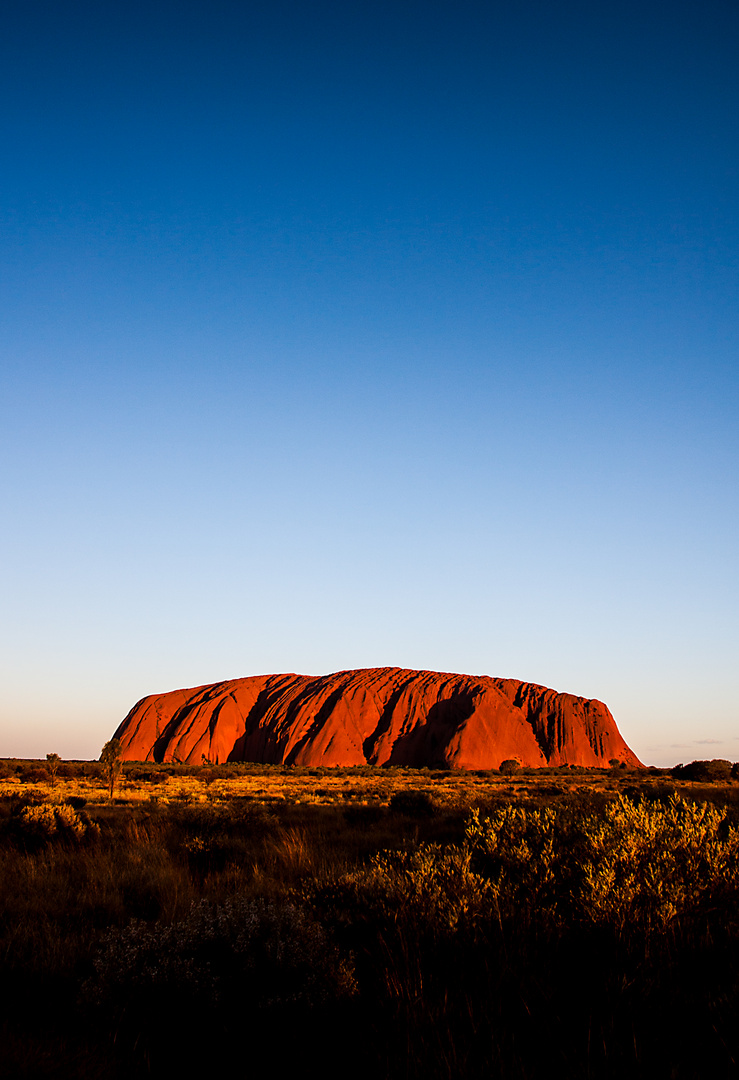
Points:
[(376, 716)]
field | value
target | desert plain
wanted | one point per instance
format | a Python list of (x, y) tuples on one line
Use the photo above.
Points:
[(396, 922)]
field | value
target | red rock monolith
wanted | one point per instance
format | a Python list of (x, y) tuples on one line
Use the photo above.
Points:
[(375, 716)]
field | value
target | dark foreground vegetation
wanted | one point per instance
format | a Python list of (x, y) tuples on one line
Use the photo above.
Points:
[(369, 923)]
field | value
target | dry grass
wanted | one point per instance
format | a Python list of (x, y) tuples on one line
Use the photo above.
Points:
[(327, 787), (466, 935)]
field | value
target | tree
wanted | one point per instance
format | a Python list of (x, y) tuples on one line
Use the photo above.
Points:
[(110, 759), (53, 761)]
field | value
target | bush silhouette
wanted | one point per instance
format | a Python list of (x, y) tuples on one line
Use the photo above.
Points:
[(416, 804), (715, 771)]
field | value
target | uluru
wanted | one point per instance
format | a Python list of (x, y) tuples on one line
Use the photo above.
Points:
[(373, 716)]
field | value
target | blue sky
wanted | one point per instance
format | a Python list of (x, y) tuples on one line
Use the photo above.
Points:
[(345, 335)]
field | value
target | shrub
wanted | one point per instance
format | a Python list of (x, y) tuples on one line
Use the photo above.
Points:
[(716, 771), (244, 954), (143, 774), (36, 825), (90, 770), (519, 852), (634, 866), (510, 766), (210, 773), (33, 773), (417, 804), (433, 888), (648, 864)]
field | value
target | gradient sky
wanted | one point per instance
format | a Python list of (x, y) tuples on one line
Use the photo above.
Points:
[(341, 335)]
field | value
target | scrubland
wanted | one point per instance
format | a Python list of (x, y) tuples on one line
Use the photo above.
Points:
[(371, 922)]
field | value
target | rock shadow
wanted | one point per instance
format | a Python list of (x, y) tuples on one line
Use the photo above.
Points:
[(427, 743)]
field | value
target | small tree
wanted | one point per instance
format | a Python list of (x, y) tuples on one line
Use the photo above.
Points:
[(510, 766), (110, 759), (53, 761)]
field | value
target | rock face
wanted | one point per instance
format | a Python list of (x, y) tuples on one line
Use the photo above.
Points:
[(376, 716)]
